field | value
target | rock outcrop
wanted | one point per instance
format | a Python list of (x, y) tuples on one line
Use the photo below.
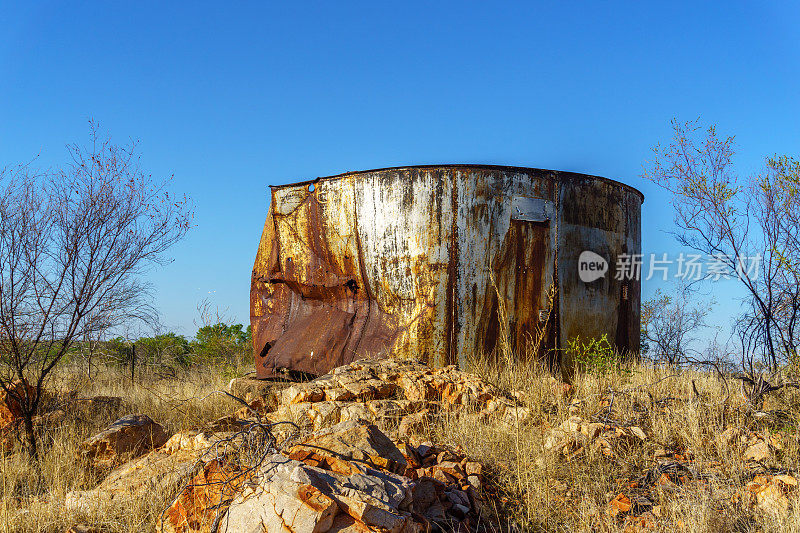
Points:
[(249, 388), (205, 498), (291, 496), (386, 390), (153, 473), (354, 462), (10, 410), (349, 477)]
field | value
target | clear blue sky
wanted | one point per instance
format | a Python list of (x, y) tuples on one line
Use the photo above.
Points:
[(233, 97)]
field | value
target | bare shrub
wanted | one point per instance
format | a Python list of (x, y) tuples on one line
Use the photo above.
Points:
[(734, 219), (73, 243), (670, 323)]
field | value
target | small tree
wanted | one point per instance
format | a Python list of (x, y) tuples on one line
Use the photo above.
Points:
[(216, 340), (735, 219), (669, 324), (74, 242)]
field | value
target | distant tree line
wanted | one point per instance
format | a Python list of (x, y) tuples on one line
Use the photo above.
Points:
[(213, 344)]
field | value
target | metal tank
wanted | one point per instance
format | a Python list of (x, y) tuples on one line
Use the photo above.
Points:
[(437, 263)]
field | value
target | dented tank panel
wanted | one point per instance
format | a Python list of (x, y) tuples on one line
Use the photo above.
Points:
[(437, 263)]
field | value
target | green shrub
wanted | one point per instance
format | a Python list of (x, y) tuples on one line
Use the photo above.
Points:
[(595, 356), (222, 343), (167, 349)]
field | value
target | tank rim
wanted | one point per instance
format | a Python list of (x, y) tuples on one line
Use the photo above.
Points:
[(475, 166)]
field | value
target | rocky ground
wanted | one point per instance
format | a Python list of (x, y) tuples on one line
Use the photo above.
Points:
[(396, 446), (341, 453)]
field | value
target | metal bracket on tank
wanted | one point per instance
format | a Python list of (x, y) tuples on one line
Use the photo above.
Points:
[(531, 209)]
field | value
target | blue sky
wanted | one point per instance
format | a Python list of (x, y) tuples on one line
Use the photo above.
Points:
[(233, 97)]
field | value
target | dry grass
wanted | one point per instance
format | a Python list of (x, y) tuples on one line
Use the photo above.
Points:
[(537, 490), (545, 491), (32, 501)]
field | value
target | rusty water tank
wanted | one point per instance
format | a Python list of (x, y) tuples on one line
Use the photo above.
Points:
[(437, 263)]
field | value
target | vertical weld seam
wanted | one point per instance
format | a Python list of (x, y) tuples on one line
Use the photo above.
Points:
[(363, 270), (556, 276), (275, 227), (285, 317), (452, 273)]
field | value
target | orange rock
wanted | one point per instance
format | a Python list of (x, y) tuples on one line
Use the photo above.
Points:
[(291, 496), (355, 441), (450, 468), (560, 389), (414, 423), (620, 504), (757, 452), (10, 409), (473, 468), (665, 480), (196, 507), (604, 446), (772, 500), (326, 462)]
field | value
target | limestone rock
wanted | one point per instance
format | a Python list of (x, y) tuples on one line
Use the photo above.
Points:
[(205, 498), (592, 429), (790, 482), (638, 433), (355, 441), (339, 394), (772, 500), (757, 452), (572, 424), (249, 388), (302, 393), (392, 409), (187, 441), (389, 389), (324, 414), (345, 477), (414, 423), (290, 496), (154, 472), (128, 437), (225, 424), (355, 411)]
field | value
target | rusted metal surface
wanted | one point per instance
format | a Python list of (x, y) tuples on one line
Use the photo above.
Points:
[(435, 262)]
